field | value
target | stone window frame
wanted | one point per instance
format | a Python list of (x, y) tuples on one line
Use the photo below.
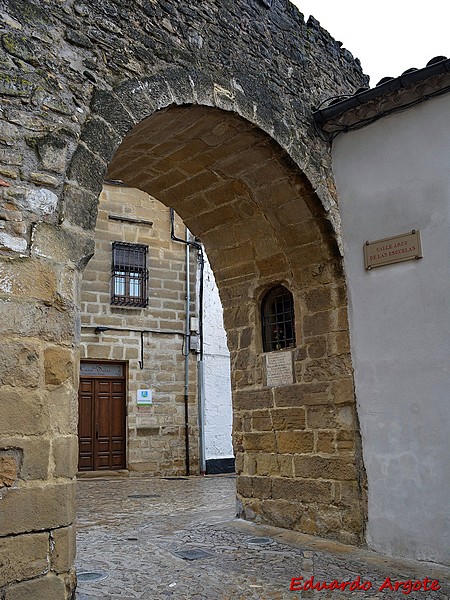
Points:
[(277, 319), (129, 275)]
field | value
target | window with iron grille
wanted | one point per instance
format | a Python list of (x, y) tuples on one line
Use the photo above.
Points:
[(129, 274), (278, 325)]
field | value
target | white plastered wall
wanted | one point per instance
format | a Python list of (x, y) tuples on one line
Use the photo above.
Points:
[(218, 410), (393, 176)]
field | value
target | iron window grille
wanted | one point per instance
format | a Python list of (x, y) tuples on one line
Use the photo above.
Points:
[(129, 275), (278, 324)]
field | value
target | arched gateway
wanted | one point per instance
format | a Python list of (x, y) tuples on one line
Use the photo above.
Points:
[(206, 106)]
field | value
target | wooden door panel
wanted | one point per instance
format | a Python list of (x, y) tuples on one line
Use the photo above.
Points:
[(102, 424), (86, 424)]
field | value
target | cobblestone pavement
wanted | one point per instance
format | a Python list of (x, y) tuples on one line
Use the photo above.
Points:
[(131, 531)]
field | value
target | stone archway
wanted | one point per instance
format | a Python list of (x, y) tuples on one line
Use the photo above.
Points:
[(76, 79), (296, 443)]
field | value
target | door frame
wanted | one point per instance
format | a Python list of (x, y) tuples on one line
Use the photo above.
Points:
[(124, 378)]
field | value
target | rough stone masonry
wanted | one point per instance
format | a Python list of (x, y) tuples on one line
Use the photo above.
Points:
[(210, 103)]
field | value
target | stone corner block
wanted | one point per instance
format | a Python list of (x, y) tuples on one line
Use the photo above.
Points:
[(37, 508), (62, 245)]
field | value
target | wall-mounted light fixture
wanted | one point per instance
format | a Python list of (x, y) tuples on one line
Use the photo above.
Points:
[(100, 329)]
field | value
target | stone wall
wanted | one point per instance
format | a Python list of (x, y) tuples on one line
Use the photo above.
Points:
[(156, 434), (75, 78)]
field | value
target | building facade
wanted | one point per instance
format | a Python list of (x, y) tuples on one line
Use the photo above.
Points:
[(145, 381)]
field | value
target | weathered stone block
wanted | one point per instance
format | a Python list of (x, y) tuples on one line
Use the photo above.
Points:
[(10, 463), (245, 337), (239, 463), (288, 418), (87, 169), (295, 490), (262, 487), (110, 109), (38, 507), (269, 265), (317, 347), (322, 417), (261, 420), (263, 442), (49, 587), (295, 442), (14, 243), (28, 278), (310, 254), (346, 417), (79, 207), (63, 549), (244, 486), (266, 464), (352, 521), (23, 557), (65, 456), (282, 513), (317, 324), (35, 453), (247, 422), (41, 202), (252, 399), (326, 443), (347, 494), (100, 138), (293, 235), (286, 465), (318, 467), (59, 365), (342, 391), (342, 319), (319, 299), (52, 150), (44, 179), (249, 463), (339, 343), (62, 409), (14, 404), (62, 245), (345, 439), (324, 369), (19, 364), (302, 394), (329, 522)]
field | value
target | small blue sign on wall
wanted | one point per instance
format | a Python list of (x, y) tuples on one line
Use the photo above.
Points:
[(144, 397)]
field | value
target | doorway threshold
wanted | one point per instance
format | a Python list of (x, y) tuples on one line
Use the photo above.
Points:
[(97, 474)]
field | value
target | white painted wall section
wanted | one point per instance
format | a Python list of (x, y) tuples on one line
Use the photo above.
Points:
[(394, 176), (218, 409)]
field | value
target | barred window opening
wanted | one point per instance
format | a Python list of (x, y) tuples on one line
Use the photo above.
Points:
[(278, 324), (129, 274)]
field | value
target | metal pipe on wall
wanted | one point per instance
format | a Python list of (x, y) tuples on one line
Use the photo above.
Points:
[(200, 376), (186, 352)]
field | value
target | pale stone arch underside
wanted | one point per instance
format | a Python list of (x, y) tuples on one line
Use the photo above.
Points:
[(207, 106), (297, 446)]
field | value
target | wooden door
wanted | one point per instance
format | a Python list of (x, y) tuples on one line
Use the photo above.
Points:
[(101, 424)]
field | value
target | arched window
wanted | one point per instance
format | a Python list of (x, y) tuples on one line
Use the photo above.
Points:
[(278, 324)]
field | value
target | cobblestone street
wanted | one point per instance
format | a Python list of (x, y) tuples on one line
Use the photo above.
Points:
[(178, 538)]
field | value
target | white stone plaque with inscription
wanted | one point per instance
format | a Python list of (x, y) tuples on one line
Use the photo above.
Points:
[(279, 368)]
